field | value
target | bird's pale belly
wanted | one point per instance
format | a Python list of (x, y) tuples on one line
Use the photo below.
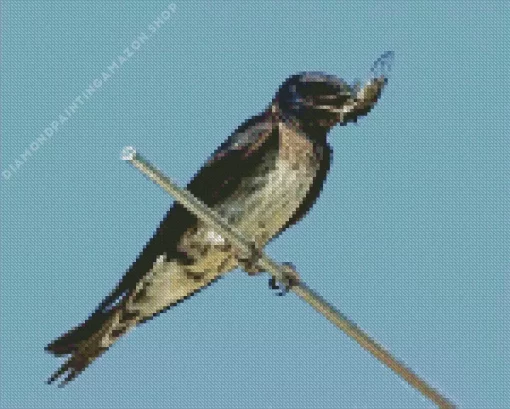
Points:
[(261, 206), (266, 202)]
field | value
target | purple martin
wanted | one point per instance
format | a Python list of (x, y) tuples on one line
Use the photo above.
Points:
[(263, 179)]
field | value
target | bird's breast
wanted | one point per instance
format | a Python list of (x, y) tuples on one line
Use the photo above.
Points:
[(263, 202), (266, 200)]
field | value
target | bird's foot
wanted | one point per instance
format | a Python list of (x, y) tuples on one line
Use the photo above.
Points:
[(291, 279), (250, 263)]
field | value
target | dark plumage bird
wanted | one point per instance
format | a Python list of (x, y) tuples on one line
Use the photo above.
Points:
[(264, 178)]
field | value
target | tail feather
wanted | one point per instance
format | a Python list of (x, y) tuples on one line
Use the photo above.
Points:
[(166, 284), (75, 365), (69, 342), (85, 351)]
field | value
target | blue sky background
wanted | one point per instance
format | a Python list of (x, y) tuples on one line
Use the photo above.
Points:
[(410, 237)]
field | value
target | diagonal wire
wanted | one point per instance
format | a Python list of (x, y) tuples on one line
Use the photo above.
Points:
[(282, 274)]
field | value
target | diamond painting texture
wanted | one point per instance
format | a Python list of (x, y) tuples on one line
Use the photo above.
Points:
[(263, 179), (409, 236)]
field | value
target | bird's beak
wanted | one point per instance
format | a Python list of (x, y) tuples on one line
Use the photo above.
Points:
[(361, 103), (367, 96)]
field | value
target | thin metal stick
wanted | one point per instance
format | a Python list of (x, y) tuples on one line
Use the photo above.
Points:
[(281, 274)]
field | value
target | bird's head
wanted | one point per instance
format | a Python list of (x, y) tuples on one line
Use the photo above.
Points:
[(313, 99), (318, 101)]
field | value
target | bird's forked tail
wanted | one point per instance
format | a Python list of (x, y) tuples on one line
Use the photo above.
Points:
[(84, 344)]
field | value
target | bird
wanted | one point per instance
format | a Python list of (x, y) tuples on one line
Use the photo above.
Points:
[(262, 179)]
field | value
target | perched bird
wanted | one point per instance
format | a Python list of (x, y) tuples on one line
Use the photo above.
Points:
[(264, 178)]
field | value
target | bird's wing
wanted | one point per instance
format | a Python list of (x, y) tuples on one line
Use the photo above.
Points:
[(235, 158), (215, 181)]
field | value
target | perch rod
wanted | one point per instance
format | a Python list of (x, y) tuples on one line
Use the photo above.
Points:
[(282, 274)]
